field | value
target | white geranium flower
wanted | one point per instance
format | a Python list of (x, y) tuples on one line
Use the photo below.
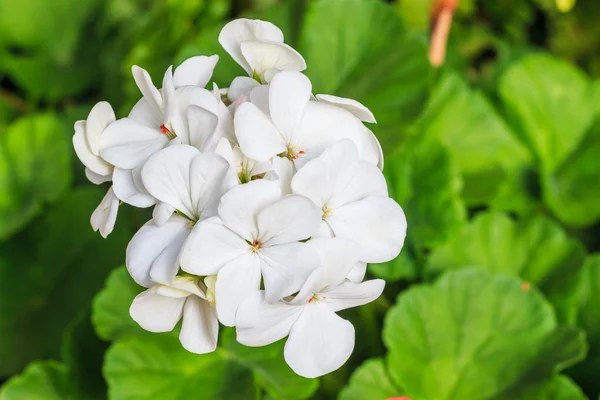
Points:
[(86, 142), (245, 168), (295, 127), (353, 197), (105, 215), (195, 71), (319, 340), (159, 308), (191, 183), (258, 47), (257, 233)]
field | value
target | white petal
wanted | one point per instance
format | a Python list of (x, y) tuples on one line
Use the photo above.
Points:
[(235, 281), (129, 189), (155, 249), (283, 172), (286, 267), (85, 154), (357, 273), (241, 86), (200, 327), (95, 178), (289, 219), (259, 323), (225, 127), (128, 144), (348, 294), (185, 97), (161, 213), (241, 29), (156, 313), (212, 178), (377, 224), (144, 114), (353, 106), (195, 71), (149, 91), (202, 125), (166, 176), (337, 177), (105, 215), (240, 206), (99, 118), (265, 58), (209, 246), (338, 256), (259, 139), (324, 125), (259, 96), (186, 284), (320, 342), (378, 145), (289, 94), (168, 95)]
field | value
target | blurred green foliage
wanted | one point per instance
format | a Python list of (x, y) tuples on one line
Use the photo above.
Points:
[(495, 158)]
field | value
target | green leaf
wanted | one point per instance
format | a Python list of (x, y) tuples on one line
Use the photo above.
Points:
[(588, 318), (572, 191), (34, 169), (370, 381), (485, 149), (549, 102), (158, 367), (42, 380), (110, 313), (49, 275), (83, 354), (402, 267), (359, 49), (559, 388), (47, 53), (474, 335), (534, 249), (417, 13), (423, 179)]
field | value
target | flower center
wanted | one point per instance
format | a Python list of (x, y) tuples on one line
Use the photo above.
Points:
[(256, 245), (315, 299), (326, 211), (167, 131), (292, 153)]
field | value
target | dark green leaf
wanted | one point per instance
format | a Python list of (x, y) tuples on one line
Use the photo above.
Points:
[(42, 380)]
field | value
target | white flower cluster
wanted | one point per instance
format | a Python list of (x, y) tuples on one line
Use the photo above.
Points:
[(268, 201)]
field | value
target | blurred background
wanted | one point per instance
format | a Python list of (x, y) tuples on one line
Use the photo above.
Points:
[(489, 116)]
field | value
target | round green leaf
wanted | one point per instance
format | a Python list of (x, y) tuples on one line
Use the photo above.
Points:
[(534, 249), (359, 49), (34, 169), (474, 335), (42, 380), (370, 381)]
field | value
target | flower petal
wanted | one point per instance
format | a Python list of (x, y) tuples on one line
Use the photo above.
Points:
[(127, 144), (202, 125), (259, 323), (166, 176), (353, 106), (235, 281), (267, 58), (324, 125), (195, 71), (212, 178), (289, 94), (282, 172), (241, 29), (128, 188), (259, 139), (97, 179), (320, 342), (85, 154), (153, 250), (99, 118), (209, 246), (105, 215), (144, 114), (259, 96), (348, 294), (286, 267), (169, 99), (200, 328), (377, 224), (149, 91), (289, 219), (241, 86), (187, 96), (156, 313), (161, 213), (357, 273), (240, 206)]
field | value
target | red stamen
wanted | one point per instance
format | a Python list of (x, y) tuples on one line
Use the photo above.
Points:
[(310, 300), (301, 152), (164, 129)]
